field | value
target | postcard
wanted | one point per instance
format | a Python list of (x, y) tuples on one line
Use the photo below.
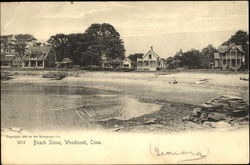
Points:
[(143, 82)]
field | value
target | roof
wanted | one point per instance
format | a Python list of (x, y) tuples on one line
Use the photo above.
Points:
[(38, 52), (127, 59), (66, 61), (223, 49), (152, 52), (8, 56)]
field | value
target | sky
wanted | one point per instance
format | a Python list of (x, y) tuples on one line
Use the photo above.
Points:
[(167, 26)]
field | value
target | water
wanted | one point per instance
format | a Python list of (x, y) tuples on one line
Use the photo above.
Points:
[(44, 107)]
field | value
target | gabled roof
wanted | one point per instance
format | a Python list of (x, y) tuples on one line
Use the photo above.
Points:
[(66, 61), (127, 59), (38, 52), (223, 49), (150, 52)]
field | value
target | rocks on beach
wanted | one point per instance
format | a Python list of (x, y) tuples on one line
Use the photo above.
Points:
[(225, 109), (55, 75)]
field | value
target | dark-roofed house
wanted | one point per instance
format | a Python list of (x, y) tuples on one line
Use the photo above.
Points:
[(150, 62), (229, 57), (7, 58), (39, 57)]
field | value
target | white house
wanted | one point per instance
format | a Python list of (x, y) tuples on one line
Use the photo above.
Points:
[(127, 63), (150, 62)]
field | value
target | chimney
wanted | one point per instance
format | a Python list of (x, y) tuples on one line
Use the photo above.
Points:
[(151, 47)]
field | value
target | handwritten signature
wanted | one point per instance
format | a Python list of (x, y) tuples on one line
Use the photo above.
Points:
[(156, 152)]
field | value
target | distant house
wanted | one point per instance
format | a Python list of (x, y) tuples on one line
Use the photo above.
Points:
[(229, 57), (150, 62), (108, 64), (17, 61), (7, 58), (39, 57), (65, 63), (127, 63)]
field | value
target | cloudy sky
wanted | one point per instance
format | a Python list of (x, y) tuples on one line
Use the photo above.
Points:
[(167, 26)]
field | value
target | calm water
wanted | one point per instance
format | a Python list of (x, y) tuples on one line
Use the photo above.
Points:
[(30, 106)]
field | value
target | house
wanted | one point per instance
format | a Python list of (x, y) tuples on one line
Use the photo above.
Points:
[(7, 58), (150, 62), (17, 61), (127, 63), (108, 64), (39, 57), (65, 63), (229, 57)]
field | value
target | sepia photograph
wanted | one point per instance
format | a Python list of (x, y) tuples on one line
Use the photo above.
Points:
[(148, 82)]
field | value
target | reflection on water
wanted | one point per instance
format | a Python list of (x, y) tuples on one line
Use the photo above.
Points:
[(53, 107)]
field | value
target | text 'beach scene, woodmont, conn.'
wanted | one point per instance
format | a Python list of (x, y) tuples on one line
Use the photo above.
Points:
[(124, 67)]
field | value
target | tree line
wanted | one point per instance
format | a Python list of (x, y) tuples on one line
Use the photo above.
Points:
[(101, 40), (83, 49)]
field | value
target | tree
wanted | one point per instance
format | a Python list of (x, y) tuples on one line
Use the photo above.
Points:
[(75, 46), (104, 40), (240, 38), (207, 56), (21, 42), (133, 57), (7, 43), (191, 58), (59, 42)]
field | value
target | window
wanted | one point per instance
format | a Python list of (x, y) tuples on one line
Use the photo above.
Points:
[(233, 62), (238, 61), (224, 62), (233, 52), (150, 56)]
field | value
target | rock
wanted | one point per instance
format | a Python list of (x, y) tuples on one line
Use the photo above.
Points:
[(216, 117), (220, 124), (207, 106), (230, 97), (233, 103), (239, 113), (150, 121), (220, 104), (209, 124), (116, 130), (203, 116), (225, 109), (197, 112), (164, 122), (186, 118)]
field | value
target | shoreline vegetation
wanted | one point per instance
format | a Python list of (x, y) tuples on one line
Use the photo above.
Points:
[(175, 99)]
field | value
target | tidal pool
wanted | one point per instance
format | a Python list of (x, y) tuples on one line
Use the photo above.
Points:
[(43, 107)]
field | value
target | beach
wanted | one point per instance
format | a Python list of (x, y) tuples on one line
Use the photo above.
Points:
[(114, 101)]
